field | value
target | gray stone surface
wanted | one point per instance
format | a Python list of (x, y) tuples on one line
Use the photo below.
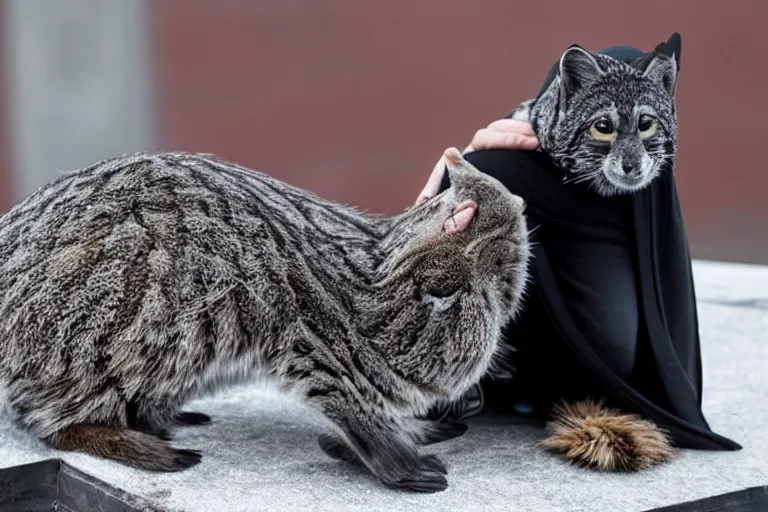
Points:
[(260, 453)]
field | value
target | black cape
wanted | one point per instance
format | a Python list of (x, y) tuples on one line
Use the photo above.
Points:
[(556, 361)]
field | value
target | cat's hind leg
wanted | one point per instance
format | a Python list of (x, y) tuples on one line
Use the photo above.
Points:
[(134, 432), (135, 448), (156, 421), (191, 419), (159, 423)]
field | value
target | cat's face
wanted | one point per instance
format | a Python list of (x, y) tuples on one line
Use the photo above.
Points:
[(609, 123)]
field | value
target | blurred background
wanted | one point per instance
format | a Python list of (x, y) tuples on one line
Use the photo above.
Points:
[(356, 100)]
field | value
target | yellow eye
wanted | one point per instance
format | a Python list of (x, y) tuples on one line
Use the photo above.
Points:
[(647, 126), (603, 130)]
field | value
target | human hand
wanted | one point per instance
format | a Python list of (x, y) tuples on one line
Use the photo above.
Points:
[(504, 134), (500, 134)]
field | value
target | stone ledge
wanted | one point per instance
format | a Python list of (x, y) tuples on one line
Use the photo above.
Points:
[(52, 484)]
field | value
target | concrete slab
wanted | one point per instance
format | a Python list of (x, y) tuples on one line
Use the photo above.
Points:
[(260, 452)]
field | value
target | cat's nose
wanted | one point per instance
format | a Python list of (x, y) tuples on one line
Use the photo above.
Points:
[(627, 167)]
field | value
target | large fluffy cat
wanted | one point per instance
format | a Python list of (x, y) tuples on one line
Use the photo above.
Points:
[(138, 283)]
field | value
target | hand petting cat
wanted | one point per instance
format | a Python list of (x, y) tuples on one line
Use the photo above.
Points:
[(500, 134)]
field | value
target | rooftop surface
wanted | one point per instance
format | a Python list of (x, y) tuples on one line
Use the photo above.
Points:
[(260, 452)]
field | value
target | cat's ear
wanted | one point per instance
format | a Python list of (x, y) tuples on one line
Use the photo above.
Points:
[(672, 48), (578, 67), (662, 69)]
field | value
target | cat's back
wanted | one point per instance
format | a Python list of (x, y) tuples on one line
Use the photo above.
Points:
[(171, 197), (125, 246), (109, 239), (151, 182), (123, 224), (171, 194)]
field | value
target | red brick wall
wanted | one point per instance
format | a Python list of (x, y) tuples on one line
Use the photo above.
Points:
[(356, 100)]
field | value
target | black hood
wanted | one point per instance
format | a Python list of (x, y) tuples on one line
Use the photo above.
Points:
[(628, 54)]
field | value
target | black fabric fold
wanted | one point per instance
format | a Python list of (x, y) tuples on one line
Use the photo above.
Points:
[(555, 360)]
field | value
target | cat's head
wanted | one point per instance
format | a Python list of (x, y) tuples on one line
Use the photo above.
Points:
[(454, 270), (475, 226), (609, 122)]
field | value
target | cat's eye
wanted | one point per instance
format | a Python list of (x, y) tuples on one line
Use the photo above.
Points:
[(602, 129), (646, 126)]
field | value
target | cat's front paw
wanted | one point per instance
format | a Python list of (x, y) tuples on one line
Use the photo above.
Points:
[(427, 475), (335, 448), (433, 463), (424, 473)]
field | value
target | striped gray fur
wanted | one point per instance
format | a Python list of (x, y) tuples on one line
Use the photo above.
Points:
[(134, 285)]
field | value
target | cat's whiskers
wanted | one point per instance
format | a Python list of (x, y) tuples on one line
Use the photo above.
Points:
[(580, 178)]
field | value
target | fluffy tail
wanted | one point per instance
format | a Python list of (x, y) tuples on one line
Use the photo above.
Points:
[(132, 447), (591, 435)]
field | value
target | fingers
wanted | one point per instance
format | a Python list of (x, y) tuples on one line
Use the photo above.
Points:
[(512, 126), (505, 134), (500, 134), (490, 138)]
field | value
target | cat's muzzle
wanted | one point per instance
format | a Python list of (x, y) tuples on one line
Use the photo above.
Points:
[(630, 175)]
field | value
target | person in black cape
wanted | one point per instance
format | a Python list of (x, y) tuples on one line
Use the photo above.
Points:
[(610, 312)]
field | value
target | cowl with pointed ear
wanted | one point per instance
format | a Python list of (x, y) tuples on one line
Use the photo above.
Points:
[(608, 118), (672, 48)]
